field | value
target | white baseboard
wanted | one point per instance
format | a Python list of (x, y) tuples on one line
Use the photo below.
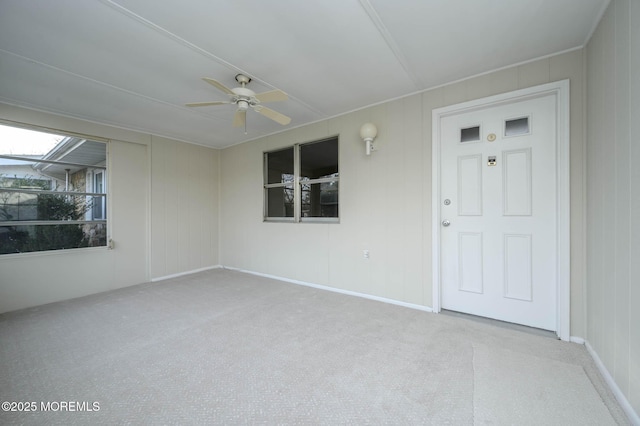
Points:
[(336, 290), (622, 399), (180, 274), (576, 339)]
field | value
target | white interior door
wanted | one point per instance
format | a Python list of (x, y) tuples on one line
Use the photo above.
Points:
[(498, 212)]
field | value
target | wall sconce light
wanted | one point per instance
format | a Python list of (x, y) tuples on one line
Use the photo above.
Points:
[(368, 133)]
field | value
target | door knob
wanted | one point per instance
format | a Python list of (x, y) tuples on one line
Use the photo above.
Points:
[(446, 223)]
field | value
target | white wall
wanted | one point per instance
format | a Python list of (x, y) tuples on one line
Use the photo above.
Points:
[(163, 201), (385, 199), (184, 206), (613, 207)]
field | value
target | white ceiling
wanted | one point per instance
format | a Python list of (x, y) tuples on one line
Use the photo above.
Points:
[(135, 63)]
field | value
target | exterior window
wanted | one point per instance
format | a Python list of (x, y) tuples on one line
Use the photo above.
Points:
[(52, 191), (301, 182)]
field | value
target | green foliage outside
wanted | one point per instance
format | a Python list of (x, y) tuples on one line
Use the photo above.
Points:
[(30, 238)]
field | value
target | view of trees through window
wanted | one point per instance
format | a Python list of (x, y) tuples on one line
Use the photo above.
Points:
[(52, 191)]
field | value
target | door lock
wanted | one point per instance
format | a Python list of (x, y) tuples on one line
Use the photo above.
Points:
[(446, 223)]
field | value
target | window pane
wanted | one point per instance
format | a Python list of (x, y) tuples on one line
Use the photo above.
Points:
[(319, 159), (470, 134), (61, 207), (280, 166), (24, 239), (280, 201), (21, 206), (18, 206), (97, 208), (320, 199), (519, 126)]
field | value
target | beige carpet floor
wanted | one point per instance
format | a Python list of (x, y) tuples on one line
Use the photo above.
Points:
[(223, 347)]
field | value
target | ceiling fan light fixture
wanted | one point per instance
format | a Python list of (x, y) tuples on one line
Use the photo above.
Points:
[(243, 105), (244, 98)]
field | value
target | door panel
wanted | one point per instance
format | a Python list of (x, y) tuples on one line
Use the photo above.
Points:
[(517, 267), (470, 261), (516, 182), (498, 254), (470, 185)]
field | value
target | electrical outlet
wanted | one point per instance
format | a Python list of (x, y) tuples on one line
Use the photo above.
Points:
[(365, 254)]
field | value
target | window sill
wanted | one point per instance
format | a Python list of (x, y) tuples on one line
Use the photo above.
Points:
[(60, 252), (303, 220)]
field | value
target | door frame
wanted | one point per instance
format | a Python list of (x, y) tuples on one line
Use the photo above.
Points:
[(559, 89)]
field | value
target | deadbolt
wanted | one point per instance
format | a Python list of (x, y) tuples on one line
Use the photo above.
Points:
[(447, 202), (446, 223)]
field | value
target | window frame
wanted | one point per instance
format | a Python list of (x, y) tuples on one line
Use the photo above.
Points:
[(297, 185), (267, 186), (87, 194), (98, 178)]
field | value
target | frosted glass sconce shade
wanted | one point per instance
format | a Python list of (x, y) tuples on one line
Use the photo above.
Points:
[(368, 133)]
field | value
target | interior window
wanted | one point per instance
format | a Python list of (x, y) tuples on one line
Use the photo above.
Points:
[(301, 182), (279, 180)]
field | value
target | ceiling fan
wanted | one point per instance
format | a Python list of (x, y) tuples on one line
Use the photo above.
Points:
[(246, 98)]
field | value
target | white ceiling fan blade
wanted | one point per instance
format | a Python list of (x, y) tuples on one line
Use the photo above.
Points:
[(199, 104), (240, 118), (274, 115), (272, 96), (219, 85)]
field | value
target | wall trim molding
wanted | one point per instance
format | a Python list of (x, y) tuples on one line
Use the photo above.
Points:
[(335, 290), (617, 392), (180, 274)]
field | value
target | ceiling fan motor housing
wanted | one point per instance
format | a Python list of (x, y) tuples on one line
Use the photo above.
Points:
[(243, 92), (244, 98), (242, 79)]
